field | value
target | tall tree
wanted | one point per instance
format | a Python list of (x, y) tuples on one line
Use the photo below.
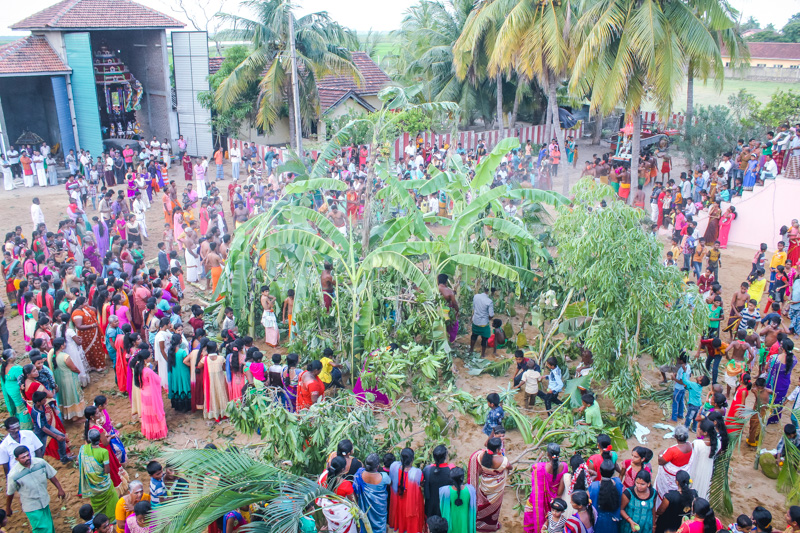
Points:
[(532, 39), (720, 21), (638, 49), (317, 39), (425, 56)]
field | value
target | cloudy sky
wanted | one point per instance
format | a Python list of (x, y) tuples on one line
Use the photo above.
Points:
[(361, 15)]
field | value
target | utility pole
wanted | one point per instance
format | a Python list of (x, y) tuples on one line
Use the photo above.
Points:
[(298, 131)]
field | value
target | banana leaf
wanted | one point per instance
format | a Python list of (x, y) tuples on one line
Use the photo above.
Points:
[(572, 391), (484, 171), (327, 184)]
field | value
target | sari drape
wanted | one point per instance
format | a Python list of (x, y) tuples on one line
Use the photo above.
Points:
[(373, 500), (544, 487), (489, 485), (93, 482)]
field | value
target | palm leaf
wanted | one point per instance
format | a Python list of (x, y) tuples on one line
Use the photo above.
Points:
[(484, 171)]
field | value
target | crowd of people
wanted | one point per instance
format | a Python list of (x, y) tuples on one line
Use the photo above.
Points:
[(89, 302)]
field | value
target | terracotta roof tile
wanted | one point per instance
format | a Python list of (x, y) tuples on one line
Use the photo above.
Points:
[(89, 14), (331, 89), (29, 55), (774, 50)]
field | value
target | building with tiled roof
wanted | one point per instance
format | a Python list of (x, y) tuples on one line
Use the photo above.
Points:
[(93, 74), (96, 15), (31, 55), (771, 55), (338, 95)]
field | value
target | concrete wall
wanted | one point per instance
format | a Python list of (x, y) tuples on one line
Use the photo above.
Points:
[(279, 134), (785, 74), (143, 52), (28, 104)]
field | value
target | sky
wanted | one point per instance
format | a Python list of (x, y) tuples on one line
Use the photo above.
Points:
[(361, 15)]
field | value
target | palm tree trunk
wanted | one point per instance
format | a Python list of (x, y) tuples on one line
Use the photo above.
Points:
[(515, 110), (598, 128), (290, 100), (557, 133), (636, 146), (499, 116), (689, 96), (367, 221)]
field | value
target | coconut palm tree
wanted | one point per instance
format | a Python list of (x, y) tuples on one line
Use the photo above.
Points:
[(532, 39), (319, 53), (425, 56), (632, 50), (720, 20)]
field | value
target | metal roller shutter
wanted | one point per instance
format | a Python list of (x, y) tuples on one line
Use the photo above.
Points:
[(190, 60), (84, 92)]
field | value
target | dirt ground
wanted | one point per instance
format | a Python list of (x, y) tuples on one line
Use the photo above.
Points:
[(189, 431)]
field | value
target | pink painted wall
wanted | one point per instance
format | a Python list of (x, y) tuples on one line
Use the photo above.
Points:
[(761, 213)]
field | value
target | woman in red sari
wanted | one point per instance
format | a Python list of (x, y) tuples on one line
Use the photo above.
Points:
[(793, 253), (85, 319), (406, 503), (738, 403), (30, 385), (119, 477), (309, 387), (187, 167)]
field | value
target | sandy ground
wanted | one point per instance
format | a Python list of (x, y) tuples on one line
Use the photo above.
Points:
[(189, 431)]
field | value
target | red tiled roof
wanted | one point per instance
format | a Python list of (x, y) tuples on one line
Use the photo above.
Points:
[(29, 55), (374, 79), (774, 50), (332, 89), (89, 14)]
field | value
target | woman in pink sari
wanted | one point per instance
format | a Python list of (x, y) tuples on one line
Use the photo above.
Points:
[(154, 423), (177, 227), (547, 482), (702, 512), (725, 226)]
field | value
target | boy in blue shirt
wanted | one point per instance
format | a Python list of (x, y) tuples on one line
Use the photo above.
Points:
[(158, 490), (679, 390), (694, 399), (495, 416)]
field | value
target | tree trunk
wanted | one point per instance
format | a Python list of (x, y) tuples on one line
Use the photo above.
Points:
[(557, 133), (292, 132), (547, 120), (598, 128), (689, 97), (499, 115), (635, 146), (515, 110), (367, 220)]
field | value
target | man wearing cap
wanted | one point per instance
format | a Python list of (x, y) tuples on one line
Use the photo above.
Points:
[(29, 477), (17, 437)]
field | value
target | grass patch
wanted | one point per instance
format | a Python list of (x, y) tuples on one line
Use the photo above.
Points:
[(707, 95)]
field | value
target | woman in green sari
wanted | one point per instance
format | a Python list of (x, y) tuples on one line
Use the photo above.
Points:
[(94, 479), (9, 382), (66, 374), (180, 386), (458, 504)]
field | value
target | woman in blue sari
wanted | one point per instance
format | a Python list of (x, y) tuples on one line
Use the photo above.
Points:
[(751, 174), (372, 492)]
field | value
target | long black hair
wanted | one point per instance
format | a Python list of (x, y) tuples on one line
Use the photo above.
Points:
[(90, 412), (553, 453), (60, 295), (141, 357), (6, 358), (174, 344), (722, 429), (702, 510), (406, 460), (604, 445), (788, 347), (439, 457), (574, 463), (645, 453), (608, 498), (58, 343), (708, 428), (372, 463), (457, 477), (581, 499), (492, 447), (335, 469)]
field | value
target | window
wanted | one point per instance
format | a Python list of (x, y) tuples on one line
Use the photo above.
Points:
[(761, 64), (794, 66), (777, 66)]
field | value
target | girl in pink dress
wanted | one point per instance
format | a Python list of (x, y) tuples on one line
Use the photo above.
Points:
[(154, 423)]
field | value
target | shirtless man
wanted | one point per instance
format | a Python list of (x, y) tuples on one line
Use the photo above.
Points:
[(452, 302), (738, 350), (328, 285), (588, 170), (190, 239), (239, 214), (286, 311), (738, 302), (339, 219), (213, 265), (204, 250), (223, 247), (770, 332)]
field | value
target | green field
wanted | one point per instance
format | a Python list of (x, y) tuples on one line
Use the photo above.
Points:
[(708, 94)]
